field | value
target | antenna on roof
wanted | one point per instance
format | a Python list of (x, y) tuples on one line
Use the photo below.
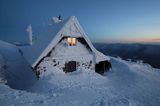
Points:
[(29, 30)]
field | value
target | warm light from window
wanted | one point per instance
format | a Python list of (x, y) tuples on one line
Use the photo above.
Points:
[(71, 41)]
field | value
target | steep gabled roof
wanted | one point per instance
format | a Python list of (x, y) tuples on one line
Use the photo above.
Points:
[(52, 36)]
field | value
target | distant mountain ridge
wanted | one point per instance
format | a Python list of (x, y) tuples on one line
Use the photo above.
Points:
[(149, 53)]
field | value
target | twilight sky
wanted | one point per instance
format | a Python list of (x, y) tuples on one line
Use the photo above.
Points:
[(103, 20)]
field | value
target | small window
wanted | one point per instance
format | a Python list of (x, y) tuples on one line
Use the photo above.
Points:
[(72, 41), (69, 41)]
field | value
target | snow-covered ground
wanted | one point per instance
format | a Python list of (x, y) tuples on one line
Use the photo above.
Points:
[(127, 84)]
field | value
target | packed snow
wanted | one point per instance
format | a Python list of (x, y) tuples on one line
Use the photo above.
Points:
[(126, 84)]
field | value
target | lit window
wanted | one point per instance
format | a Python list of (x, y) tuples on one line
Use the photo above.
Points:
[(71, 41)]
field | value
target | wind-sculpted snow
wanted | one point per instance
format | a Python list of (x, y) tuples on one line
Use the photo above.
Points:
[(15, 70), (127, 84), (2, 69)]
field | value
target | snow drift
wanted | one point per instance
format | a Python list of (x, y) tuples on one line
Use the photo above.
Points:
[(2, 69), (14, 70), (127, 84)]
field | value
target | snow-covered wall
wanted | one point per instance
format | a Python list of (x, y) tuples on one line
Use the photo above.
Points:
[(63, 49), (63, 53)]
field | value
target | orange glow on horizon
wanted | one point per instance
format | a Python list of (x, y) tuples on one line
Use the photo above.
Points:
[(132, 40), (143, 39)]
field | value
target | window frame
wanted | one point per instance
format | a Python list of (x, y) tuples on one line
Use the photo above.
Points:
[(72, 41)]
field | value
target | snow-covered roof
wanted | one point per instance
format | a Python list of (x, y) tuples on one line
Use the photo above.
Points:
[(52, 35)]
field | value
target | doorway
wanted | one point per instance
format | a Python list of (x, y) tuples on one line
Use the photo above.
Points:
[(102, 67)]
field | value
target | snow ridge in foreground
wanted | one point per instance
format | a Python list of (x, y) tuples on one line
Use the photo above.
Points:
[(127, 84)]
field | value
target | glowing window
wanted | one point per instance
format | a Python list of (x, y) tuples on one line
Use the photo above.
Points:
[(71, 41)]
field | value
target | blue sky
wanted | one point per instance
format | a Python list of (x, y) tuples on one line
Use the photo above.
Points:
[(103, 20)]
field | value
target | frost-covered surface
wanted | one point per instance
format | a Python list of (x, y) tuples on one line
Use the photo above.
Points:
[(15, 70), (56, 20), (127, 84), (2, 69), (63, 54), (63, 50), (51, 36)]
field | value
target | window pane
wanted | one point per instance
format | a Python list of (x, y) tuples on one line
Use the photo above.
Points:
[(73, 41), (69, 41)]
